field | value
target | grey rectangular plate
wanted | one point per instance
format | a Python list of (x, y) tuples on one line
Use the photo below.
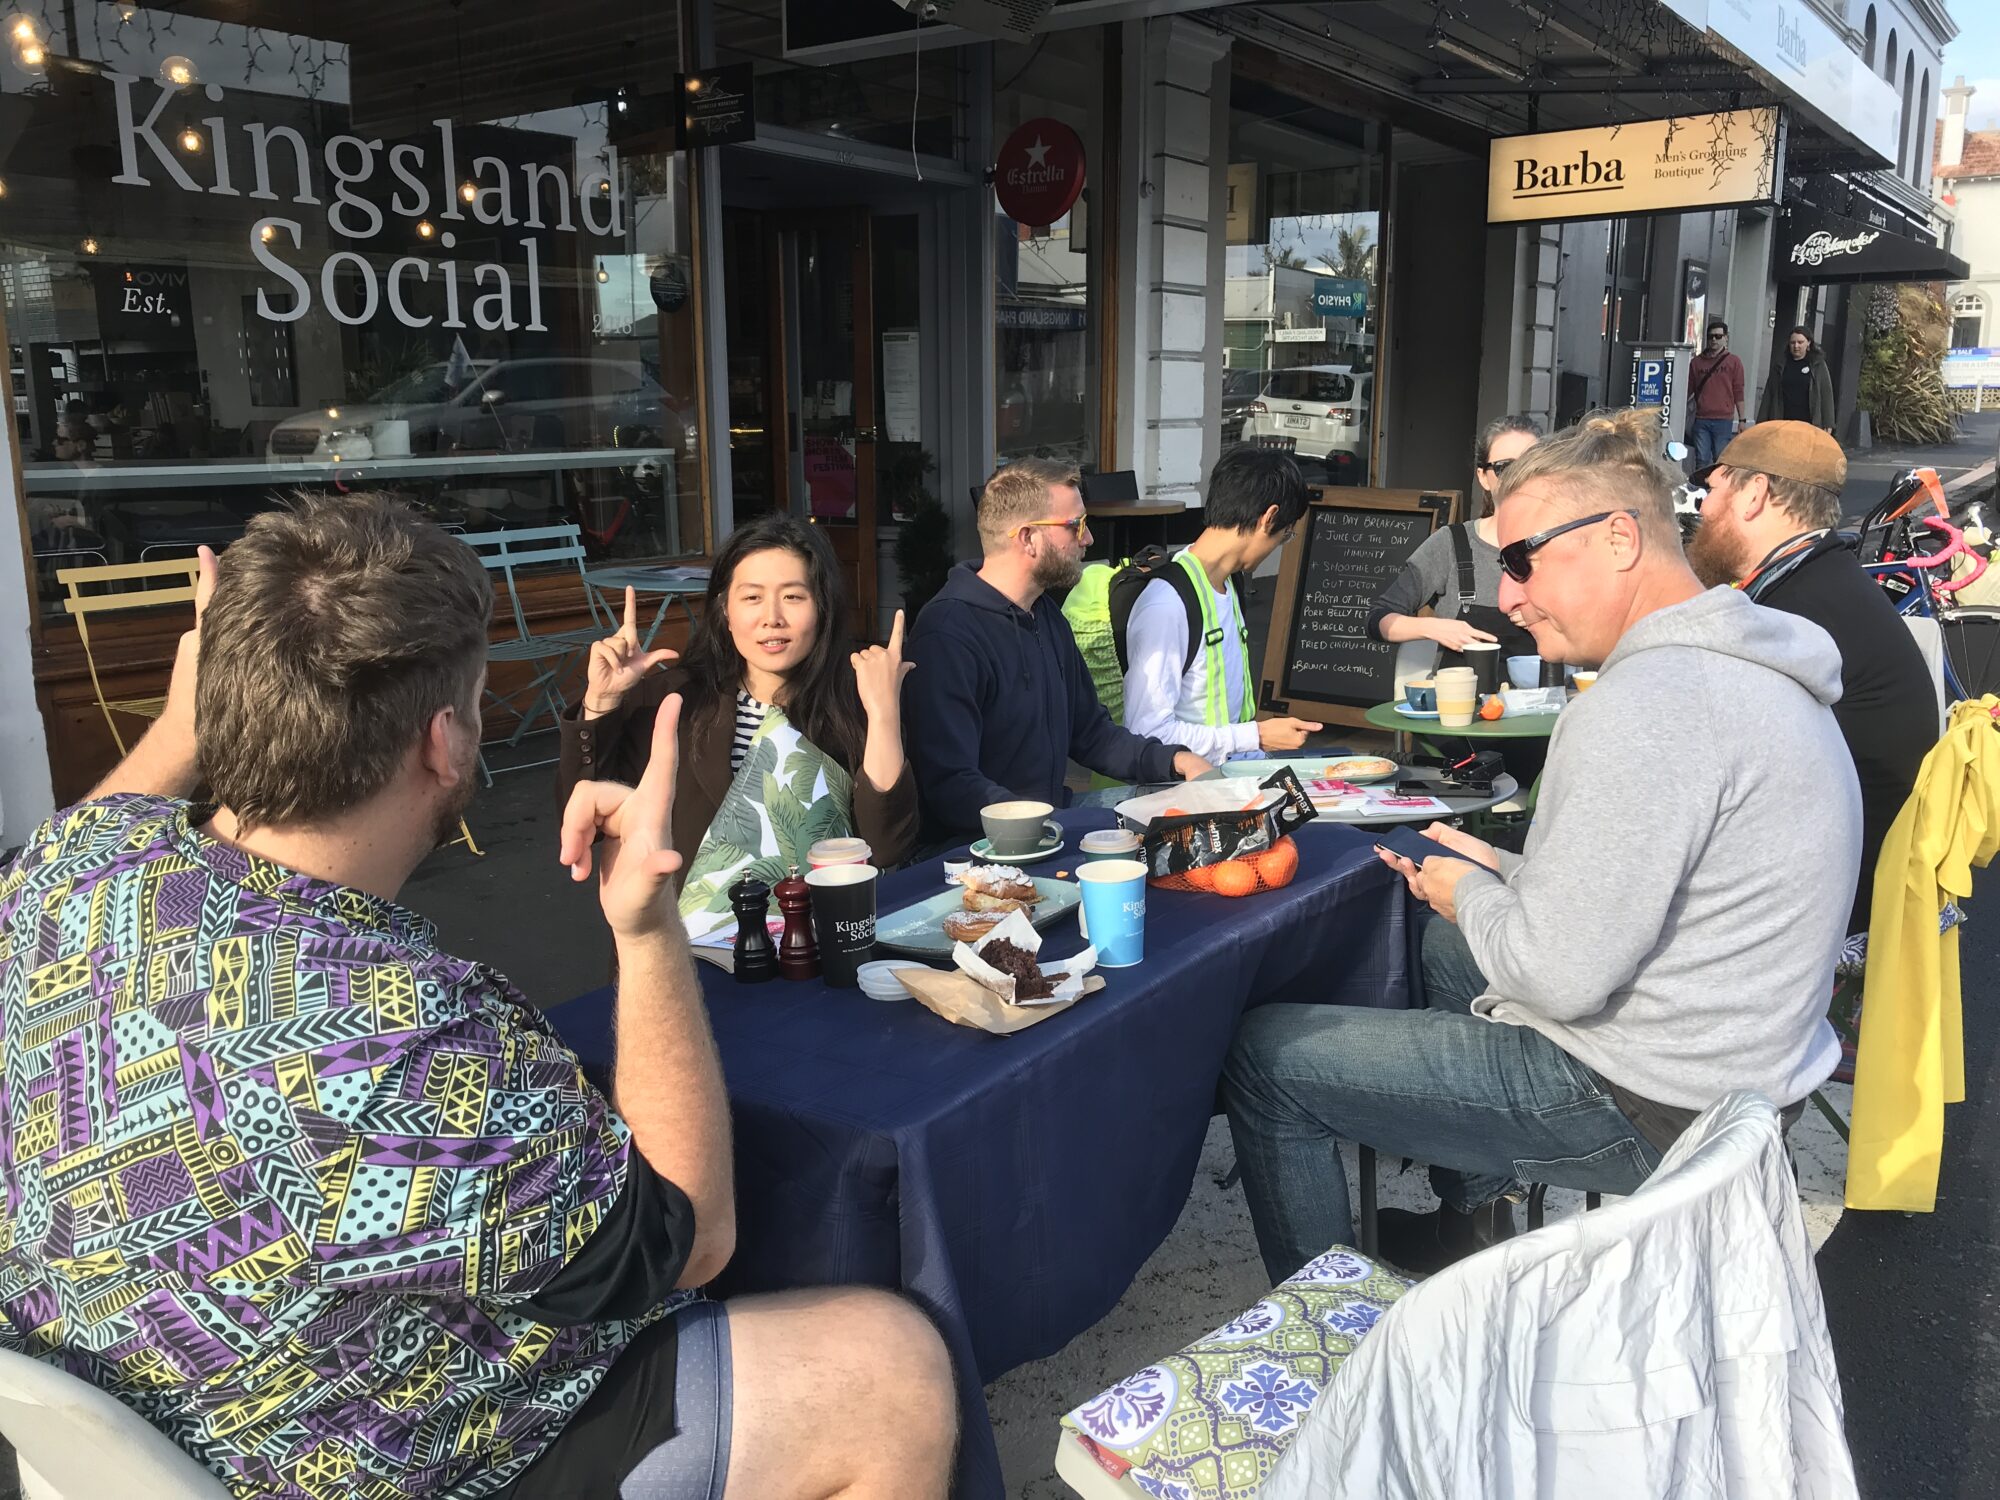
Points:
[(919, 929)]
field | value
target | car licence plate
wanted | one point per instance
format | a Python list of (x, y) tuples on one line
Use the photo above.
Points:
[(1298, 421)]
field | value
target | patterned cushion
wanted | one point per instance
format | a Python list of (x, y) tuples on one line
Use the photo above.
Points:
[(1210, 1422)]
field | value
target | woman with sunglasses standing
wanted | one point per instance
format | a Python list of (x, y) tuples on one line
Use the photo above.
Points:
[(1458, 569)]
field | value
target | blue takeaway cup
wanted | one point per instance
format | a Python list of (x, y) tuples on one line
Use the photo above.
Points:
[(1421, 694), (1114, 910)]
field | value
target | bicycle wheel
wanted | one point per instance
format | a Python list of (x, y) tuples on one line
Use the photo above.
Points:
[(1972, 648)]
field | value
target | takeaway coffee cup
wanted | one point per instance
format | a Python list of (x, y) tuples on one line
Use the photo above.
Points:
[(1017, 828), (1114, 910), (1421, 694), (838, 852), (843, 915), (1458, 696), (1525, 672), (1110, 843), (1484, 659)]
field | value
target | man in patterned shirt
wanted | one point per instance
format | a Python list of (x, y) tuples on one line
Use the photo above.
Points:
[(335, 1210)]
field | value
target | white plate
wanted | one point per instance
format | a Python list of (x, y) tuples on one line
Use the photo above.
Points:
[(1416, 713)]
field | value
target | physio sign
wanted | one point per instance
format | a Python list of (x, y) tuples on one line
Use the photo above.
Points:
[(1340, 297), (1721, 160)]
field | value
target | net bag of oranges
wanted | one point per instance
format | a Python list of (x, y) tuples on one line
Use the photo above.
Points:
[(1229, 838)]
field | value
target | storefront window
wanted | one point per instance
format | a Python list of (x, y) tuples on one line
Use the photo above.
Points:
[(425, 254), (1047, 294), (1302, 299)]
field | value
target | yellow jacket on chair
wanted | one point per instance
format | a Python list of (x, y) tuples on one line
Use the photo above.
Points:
[(1911, 1059)]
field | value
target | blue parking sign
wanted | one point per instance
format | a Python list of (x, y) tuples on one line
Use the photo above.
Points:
[(1649, 381)]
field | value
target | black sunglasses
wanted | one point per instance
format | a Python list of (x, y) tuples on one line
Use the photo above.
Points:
[(1717, 334), (1497, 468), (1518, 558)]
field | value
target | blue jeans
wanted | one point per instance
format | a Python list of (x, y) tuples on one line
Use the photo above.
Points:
[(1711, 436), (1490, 1105)]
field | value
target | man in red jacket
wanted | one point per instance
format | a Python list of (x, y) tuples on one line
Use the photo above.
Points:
[(1715, 395)]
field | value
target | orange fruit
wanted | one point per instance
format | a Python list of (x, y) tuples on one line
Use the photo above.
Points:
[(1277, 865), (1202, 877), (1234, 877), (1492, 708)]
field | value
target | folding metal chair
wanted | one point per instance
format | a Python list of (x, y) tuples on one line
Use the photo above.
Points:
[(550, 655), (81, 606)]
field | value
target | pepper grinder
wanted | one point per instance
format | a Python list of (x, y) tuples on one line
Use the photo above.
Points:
[(756, 960), (798, 954)]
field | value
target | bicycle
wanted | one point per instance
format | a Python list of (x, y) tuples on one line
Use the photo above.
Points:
[(1923, 583)]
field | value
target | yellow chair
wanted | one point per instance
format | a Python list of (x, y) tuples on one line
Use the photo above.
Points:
[(81, 606)]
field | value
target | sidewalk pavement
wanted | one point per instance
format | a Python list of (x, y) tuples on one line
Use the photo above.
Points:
[(1966, 466)]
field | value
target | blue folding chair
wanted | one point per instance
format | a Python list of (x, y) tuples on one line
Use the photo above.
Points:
[(552, 654)]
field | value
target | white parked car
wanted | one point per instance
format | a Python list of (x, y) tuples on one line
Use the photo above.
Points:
[(1323, 408)]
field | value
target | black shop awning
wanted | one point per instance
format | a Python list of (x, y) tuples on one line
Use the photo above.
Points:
[(1819, 247)]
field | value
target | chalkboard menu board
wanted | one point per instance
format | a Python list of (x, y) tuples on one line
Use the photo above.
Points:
[(1321, 661)]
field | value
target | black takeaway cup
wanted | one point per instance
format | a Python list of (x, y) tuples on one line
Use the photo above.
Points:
[(843, 914)]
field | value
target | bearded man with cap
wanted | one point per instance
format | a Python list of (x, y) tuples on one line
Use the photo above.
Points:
[(1769, 526)]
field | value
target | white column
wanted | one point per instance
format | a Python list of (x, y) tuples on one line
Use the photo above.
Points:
[(26, 795), (1167, 396)]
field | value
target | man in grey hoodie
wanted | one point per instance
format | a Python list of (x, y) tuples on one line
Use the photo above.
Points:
[(1668, 933)]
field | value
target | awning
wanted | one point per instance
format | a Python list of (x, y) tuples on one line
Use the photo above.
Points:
[(1821, 248)]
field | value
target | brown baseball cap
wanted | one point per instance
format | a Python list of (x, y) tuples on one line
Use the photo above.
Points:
[(1785, 450)]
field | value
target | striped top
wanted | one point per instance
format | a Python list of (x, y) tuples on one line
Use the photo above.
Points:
[(749, 719)]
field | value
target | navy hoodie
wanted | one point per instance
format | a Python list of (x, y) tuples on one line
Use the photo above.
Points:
[(1000, 703)]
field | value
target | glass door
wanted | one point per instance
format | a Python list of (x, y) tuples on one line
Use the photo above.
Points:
[(833, 410)]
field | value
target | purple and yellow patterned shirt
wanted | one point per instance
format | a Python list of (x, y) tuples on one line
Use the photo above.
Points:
[(274, 1168)]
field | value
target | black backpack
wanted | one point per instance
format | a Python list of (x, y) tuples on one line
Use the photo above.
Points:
[(1130, 581)]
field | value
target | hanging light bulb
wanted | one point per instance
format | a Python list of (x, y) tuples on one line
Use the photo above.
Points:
[(90, 247), (3, 187), (603, 275), (31, 54), (126, 13), (191, 143), (469, 190), (267, 233), (425, 229), (179, 72), (603, 186), (24, 29)]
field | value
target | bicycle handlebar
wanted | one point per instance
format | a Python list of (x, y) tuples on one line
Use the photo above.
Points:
[(1954, 547)]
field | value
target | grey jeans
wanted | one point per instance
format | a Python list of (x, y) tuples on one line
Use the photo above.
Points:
[(1490, 1105)]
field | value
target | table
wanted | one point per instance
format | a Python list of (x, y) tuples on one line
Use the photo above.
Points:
[(671, 583), (1013, 1186), (1116, 518), (1390, 716)]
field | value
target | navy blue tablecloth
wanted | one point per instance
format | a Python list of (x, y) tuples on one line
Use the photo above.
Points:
[(1014, 1186)]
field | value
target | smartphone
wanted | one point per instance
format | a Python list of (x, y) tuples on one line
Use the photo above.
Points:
[(1412, 845)]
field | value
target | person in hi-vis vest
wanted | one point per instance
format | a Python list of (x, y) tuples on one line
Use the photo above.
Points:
[(1206, 698)]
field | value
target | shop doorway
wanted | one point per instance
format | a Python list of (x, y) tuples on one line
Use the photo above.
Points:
[(826, 354)]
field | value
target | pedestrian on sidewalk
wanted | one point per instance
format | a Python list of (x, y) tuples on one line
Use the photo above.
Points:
[(1800, 389), (1715, 396)]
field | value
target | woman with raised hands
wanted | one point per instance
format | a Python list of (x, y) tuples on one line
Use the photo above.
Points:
[(785, 738)]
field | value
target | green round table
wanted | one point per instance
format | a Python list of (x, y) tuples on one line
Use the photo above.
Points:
[(1391, 717)]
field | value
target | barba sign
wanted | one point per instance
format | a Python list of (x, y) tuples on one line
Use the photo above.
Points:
[(421, 180), (1652, 166)]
